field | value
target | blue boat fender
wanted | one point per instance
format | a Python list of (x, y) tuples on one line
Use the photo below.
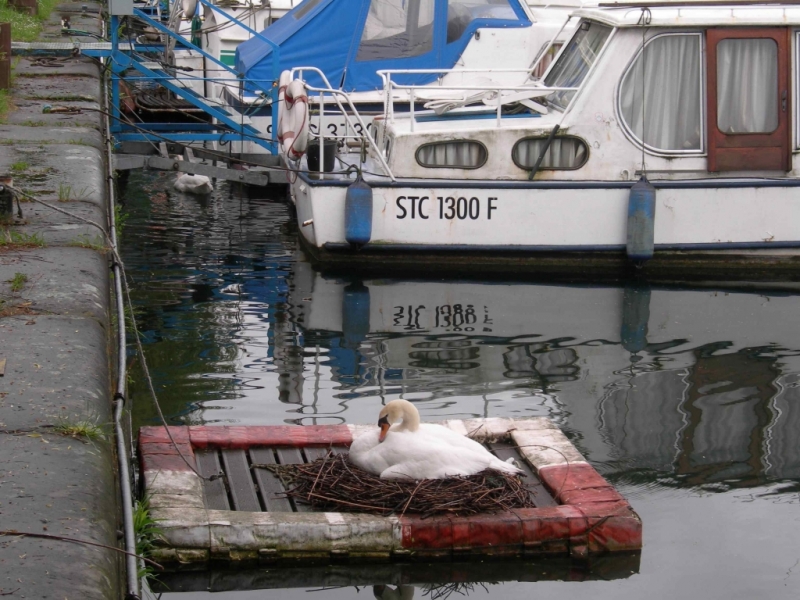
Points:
[(641, 221), (358, 213), (355, 314)]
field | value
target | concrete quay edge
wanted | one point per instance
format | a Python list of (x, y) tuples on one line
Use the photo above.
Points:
[(56, 338)]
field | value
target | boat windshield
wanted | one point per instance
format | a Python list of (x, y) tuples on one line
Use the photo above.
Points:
[(397, 29), (575, 61), (460, 13)]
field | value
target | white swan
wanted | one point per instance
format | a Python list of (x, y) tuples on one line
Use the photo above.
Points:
[(194, 184), (412, 450)]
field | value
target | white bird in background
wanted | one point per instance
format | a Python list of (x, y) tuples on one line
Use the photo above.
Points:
[(410, 450), (194, 184)]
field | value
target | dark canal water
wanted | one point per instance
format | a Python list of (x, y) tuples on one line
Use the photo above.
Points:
[(686, 399)]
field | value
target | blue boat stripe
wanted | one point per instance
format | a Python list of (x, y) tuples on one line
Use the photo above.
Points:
[(496, 249), (561, 185)]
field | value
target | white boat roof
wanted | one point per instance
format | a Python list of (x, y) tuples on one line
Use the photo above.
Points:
[(693, 14)]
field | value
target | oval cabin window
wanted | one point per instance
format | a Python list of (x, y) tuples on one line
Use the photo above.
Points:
[(458, 154), (564, 153)]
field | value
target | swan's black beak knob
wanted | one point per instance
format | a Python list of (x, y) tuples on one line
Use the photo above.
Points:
[(383, 423)]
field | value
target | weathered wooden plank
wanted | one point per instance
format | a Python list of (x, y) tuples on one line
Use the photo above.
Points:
[(209, 466), (268, 482), (292, 456), (541, 497), (243, 490), (315, 452)]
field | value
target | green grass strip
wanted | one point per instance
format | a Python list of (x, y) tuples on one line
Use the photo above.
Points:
[(25, 28)]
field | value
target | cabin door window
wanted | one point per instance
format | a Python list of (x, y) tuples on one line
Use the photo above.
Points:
[(748, 99)]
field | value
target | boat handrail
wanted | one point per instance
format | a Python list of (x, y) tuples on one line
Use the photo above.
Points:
[(489, 92), (336, 94)]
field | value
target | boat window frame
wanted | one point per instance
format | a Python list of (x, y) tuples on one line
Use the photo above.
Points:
[(442, 142), (795, 74), (544, 137), (589, 73), (628, 132)]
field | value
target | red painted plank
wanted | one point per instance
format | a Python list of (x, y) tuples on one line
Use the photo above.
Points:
[(149, 435), (612, 527), (279, 435), (578, 497), (495, 534), (547, 530), (427, 535), (566, 478), (159, 448)]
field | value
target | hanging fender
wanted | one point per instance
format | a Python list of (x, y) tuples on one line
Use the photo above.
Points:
[(292, 117)]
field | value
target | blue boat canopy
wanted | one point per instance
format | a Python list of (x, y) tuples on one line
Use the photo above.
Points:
[(349, 40)]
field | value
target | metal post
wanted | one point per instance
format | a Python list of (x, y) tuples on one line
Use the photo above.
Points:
[(411, 108), (5, 56), (321, 134), (116, 122)]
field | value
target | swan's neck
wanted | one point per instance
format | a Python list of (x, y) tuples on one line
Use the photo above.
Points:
[(410, 417)]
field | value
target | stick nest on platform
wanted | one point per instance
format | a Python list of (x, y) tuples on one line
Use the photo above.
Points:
[(335, 484)]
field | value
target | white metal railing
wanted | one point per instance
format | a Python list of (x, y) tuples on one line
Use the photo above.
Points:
[(337, 96), (486, 92)]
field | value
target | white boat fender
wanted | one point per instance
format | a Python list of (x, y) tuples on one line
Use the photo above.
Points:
[(293, 120), (189, 8), (641, 221), (358, 213)]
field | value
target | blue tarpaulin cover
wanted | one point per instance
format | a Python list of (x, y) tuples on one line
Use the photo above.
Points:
[(349, 40)]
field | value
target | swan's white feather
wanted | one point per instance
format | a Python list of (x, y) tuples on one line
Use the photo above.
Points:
[(194, 184), (431, 452)]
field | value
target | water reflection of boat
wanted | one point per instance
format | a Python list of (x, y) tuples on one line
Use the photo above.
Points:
[(651, 379), (428, 576)]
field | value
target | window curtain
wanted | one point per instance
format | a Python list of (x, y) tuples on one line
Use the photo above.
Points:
[(465, 155), (660, 96), (575, 62), (747, 86), (563, 153)]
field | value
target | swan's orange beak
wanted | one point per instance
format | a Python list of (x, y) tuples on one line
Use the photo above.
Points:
[(383, 423)]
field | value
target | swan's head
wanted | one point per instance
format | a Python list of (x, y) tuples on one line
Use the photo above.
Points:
[(396, 411)]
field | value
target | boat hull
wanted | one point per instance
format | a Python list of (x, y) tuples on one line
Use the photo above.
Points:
[(702, 229)]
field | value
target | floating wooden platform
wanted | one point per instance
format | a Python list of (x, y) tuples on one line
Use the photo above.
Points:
[(237, 514)]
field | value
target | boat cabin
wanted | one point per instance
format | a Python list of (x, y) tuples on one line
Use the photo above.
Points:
[(678, 91), (350, 40)]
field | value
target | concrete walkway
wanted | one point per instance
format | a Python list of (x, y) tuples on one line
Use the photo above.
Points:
[(55, 336)]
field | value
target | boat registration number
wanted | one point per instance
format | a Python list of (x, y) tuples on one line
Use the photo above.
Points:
[(445, 208)]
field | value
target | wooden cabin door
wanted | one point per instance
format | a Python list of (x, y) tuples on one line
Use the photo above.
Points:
[(749, 99)]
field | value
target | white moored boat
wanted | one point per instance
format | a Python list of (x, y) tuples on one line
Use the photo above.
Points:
[(344, 43), (699, 97)]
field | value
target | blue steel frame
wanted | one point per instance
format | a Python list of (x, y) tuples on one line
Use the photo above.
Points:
[(121, 60)]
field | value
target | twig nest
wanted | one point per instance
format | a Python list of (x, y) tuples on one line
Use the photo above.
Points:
[(333, 483)]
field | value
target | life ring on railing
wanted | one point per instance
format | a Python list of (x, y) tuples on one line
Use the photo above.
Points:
[(293, 118)]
